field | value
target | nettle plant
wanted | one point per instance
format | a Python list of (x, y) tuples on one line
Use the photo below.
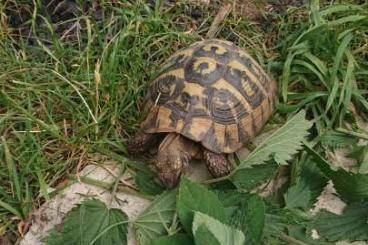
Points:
[(231, 211)]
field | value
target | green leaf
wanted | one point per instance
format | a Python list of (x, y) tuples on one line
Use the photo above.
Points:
[(194, 197), (247, 213), (154, 220), (177, 239), (204, 236), (314, 178), (207, 230), (319, 64), (146, 183), (347, 88), (351, 187), (360, 153), (297, 50), (12, 171), (282, 144), (249, 178), (232, 199), (314, 6), (337, 139), (352, 225), (275, 224), (92, 223), (351, 18), (255, 219), (298, 196), (336, 8)]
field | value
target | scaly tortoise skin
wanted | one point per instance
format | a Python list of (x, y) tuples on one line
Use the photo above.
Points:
[(210, 99)]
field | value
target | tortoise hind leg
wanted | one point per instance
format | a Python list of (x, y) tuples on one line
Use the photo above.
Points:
[(142, 143), (217, 164)]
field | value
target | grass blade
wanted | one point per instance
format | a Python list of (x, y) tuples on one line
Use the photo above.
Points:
[(12, 170), (338, 59)]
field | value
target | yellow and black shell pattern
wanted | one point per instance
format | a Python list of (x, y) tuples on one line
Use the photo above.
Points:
[(211, 92)]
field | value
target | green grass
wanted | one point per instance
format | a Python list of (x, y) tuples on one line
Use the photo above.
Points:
[(76, 85), (62, 96), (323, 63)]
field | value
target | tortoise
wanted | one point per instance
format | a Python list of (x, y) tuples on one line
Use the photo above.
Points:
[(209, 100)]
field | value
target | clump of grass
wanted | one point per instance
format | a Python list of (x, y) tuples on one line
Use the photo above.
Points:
[(322, 61)]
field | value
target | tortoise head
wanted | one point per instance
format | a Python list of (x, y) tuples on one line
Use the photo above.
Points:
[(170, 166)]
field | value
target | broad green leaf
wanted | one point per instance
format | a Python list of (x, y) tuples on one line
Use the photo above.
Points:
[(232, 199), (282, 144), (249, 178), (193, 197), (352, 225), (337, 139), (275, 224), (298, 196), (314, 178), (207, 230), (278, 221), (177, 239), (248, 215), (308, 183), (154, 220), (146, 183), (351, 187), (255, 219), (204, 236), (240, 213), (92, 223)]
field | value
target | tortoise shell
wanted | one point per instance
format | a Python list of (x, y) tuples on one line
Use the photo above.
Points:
[(211, 92)]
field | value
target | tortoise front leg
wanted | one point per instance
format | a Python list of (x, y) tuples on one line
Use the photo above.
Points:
[(142, 142), (217, 164), (173, 158)]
